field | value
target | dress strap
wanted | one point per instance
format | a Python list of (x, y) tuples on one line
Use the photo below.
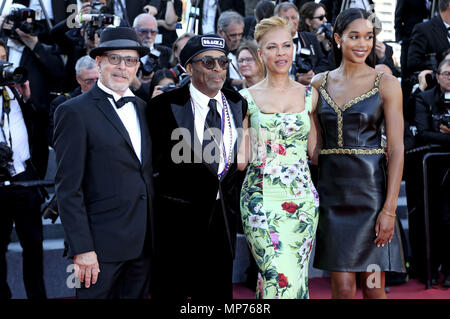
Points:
[(308, 98), (377, 80), (324, 79), (250, 102)]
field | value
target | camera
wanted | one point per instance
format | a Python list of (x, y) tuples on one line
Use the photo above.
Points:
[(303, 62), (326, 28), (151, 64), (8, 77), (168, 87), (6, 160), (98, 22), (99, 7), (23, 19)]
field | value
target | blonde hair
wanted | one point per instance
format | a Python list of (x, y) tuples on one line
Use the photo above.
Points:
[(269, 24)]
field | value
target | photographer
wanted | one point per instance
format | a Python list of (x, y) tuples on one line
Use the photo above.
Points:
[(19, 133), (432, 120), (313, 19), (162, 81), (428, 38), (128, 10), (146, 29), (45, 74), (309, 58), (169, 13)]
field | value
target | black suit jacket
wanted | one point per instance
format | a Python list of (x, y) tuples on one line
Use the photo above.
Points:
[(318, 59), (104, 192), (408, 13), (186, 190), (224, 5), (427, 37), (133, 8), (427, 104)]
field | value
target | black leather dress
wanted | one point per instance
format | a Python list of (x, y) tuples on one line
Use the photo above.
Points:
[(352, 186)]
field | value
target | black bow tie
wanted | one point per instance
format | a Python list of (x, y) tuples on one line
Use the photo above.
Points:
[(124, 100)]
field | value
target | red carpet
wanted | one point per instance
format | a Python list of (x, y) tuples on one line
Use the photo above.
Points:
[(319, 288)]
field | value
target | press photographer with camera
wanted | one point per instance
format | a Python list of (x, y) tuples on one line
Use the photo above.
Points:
[(45, 72), (162, 81), (313, 19), (432, 119), (21, 150), (146, 29), (429, 40), (309, 58)]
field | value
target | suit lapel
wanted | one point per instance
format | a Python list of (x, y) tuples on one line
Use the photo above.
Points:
[(145, 135), (105, 106)]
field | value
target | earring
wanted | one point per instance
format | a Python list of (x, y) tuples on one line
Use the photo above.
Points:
[(338, 46)]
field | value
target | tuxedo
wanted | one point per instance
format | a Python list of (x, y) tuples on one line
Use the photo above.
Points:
[(132, 7), (104, 189), (196, 228), (427, 37)]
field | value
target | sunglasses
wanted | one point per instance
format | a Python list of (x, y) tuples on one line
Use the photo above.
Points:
[(147, 31), (320, 17), (210, 63), (116, 59)]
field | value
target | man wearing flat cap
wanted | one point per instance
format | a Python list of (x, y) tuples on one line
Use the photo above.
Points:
[(194, 132), (104, 175)]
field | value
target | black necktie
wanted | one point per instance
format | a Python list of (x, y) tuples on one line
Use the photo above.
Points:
[(213, 121)]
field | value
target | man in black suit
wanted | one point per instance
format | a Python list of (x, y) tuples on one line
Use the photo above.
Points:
[(128, 10), (104, 175), (57, 11), (198, 185), (19, 130), (306, 46), (429, 37)]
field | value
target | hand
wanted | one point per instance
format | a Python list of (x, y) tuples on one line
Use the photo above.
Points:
[(384, 229), (27, 39), (86, 8), (151, 10), (24, 90), (136, 83), (422, 79), (444, 129), (305, 78), (320, 36), (87, 268), (380, 49), (157, 91)]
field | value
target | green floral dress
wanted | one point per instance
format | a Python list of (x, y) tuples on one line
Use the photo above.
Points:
[(279, 204)]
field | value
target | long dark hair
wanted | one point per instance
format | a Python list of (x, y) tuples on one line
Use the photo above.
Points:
[(307, 12), (342, 21)]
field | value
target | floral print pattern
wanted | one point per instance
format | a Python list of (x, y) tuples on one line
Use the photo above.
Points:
[(279, 204)]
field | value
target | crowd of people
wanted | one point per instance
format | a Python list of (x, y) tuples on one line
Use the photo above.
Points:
[(287, 121)]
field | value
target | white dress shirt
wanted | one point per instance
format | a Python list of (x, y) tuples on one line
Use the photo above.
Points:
[(233, 67), (209, 16), (35, 5), (200, 109), (15, 53), (16, 132), (129, 117)]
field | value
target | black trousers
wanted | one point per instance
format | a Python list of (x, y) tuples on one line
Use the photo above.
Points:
[(120, 280), (22, 207), (199, 266)]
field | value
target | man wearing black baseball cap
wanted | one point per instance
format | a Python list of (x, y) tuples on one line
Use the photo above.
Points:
[(104, 175), (195, 138)]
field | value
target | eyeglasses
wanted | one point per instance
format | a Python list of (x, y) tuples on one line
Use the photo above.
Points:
[(246, 60), (235, 35), (146, 31), (210, 63), (116, 59), (89, 81), (445, 74), (320, 17)]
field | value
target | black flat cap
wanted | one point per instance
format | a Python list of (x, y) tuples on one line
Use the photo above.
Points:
[(199, 44), (120, 38)]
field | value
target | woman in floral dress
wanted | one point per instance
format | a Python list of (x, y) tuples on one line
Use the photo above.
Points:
[(279, 204)]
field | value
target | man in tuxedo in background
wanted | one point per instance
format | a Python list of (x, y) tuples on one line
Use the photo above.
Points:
[(197, 183), (210, 10), (104, 175)]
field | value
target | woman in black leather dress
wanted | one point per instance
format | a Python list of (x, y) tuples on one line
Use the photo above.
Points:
[(358, 187)]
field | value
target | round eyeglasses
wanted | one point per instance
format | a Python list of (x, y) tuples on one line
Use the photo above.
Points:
[(210, 63)]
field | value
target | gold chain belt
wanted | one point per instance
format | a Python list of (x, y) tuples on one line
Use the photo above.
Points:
[(358, 151)]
